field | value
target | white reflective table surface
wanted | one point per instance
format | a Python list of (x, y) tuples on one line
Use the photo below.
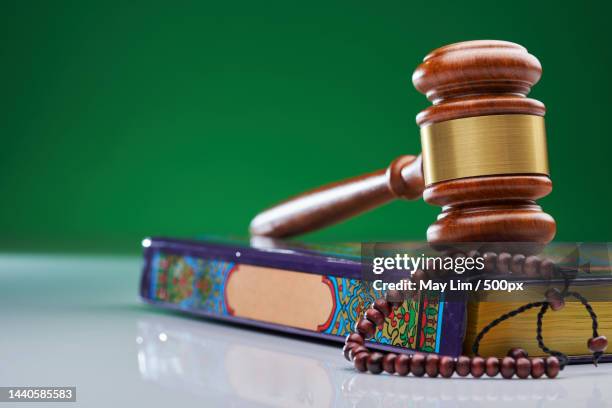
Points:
[(78, 321)]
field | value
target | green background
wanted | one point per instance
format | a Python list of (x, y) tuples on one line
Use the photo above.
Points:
[(127, 119)]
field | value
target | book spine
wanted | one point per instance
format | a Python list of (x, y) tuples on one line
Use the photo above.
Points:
[(304, 296)]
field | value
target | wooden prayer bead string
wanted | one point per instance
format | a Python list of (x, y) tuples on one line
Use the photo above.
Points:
[(516, 363), (597, 344), (555, 300), (419, 364)]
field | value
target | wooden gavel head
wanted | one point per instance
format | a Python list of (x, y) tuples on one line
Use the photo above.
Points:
[(484, 144), (484, 158)]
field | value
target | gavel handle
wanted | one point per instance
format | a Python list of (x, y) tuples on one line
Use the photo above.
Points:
[(330, 204)]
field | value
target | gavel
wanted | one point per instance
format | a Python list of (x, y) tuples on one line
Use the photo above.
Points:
[(484, 157)]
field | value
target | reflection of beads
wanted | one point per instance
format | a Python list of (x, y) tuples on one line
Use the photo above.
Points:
[(517, 363)]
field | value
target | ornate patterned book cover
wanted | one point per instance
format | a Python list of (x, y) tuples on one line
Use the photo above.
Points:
[(307, 290)]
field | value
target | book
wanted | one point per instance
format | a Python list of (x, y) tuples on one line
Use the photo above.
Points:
[(309, 290), (318, 291)]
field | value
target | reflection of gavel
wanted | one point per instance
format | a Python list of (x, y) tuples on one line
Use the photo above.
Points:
[(484, 155)]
